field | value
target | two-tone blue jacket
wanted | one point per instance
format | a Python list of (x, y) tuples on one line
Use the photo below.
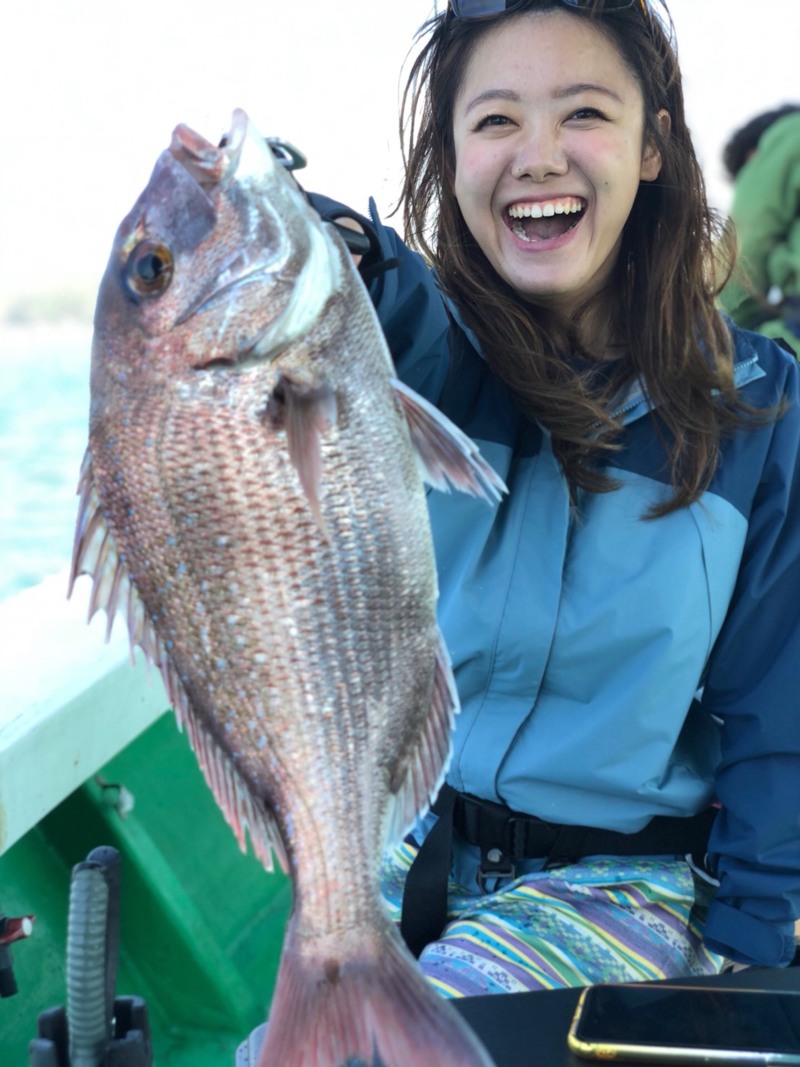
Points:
[(612, 668)]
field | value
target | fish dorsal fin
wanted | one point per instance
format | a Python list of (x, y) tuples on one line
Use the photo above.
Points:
[(427, 763), (447, 457), (95, 554)]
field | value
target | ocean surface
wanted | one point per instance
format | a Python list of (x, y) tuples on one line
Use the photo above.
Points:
[(44, 411)]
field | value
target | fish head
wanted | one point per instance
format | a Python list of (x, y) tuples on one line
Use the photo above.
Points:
[(220, 263)]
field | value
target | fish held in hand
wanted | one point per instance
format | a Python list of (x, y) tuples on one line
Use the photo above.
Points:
[(251, 499)]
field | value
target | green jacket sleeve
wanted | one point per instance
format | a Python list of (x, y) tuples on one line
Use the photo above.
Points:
[(765, 211)]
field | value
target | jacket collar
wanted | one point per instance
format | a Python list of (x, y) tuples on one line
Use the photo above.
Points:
[(632, 401)]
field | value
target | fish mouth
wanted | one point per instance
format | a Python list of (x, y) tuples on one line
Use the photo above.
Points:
[(239, 154), (296, 262), (544, 220), (208, 163)]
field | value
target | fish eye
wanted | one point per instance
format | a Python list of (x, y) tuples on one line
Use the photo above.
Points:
[(149, 269)]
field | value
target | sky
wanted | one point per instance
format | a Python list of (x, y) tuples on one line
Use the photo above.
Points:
[(90, 91)]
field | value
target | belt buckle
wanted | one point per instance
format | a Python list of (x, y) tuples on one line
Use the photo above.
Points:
[(495, 865)]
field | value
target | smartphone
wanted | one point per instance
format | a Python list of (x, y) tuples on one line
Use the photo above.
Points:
[(700, 1024)]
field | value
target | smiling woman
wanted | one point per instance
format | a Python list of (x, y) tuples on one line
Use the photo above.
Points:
[(567, 157), (614, 788), (596, 128)]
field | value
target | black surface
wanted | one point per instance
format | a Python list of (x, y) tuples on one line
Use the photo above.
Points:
[(530, 1029)]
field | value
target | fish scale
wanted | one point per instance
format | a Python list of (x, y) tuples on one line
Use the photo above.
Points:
[(251, 498)]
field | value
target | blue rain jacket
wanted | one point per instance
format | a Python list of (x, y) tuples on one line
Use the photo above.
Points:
[(610, 668)]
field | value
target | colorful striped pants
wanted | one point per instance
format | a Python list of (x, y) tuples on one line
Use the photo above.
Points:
[(604, 919)]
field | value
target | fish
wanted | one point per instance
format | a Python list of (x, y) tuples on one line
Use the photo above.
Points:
[(253, 502)]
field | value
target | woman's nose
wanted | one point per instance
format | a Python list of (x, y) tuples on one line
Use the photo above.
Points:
[(540, 157)]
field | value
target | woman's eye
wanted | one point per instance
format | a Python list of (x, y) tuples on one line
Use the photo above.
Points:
[(587, 113), (492, 120)]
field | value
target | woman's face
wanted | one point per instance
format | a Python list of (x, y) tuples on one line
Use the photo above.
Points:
[(549, 143)]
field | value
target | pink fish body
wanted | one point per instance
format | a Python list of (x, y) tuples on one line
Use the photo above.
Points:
[(251, 499)]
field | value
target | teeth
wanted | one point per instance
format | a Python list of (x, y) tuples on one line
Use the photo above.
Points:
[(569, 205)]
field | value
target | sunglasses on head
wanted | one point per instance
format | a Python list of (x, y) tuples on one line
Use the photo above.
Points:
[(484, 9)]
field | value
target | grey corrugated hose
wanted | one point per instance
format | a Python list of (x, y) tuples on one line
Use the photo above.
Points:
[(91, 958)]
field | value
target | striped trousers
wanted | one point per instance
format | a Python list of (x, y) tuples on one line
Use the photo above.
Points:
[(605, 919)]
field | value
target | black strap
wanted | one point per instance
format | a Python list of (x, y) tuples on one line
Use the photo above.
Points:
[(494, 827), (424, 911), (505, 836)]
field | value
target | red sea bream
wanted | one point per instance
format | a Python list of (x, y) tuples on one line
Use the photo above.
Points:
[(251, 499)]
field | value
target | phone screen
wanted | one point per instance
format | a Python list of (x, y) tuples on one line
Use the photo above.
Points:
[(739, 1020)]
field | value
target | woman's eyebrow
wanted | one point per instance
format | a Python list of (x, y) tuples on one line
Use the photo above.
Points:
[(586, 87), (491, 94), (565, 91)]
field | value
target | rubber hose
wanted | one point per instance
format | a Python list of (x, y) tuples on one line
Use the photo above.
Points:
[(87, 1020)]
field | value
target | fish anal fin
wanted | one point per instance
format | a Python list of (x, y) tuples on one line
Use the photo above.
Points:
[(447, 456), (242, 809)]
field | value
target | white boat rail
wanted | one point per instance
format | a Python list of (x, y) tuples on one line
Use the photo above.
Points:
[(68, 701)]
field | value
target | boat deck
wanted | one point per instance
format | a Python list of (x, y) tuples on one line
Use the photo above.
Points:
[(90, 755)]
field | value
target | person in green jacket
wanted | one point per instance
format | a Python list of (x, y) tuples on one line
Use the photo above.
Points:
[(762, 159)]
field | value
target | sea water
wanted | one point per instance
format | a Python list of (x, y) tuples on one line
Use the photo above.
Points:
[(44, 413)]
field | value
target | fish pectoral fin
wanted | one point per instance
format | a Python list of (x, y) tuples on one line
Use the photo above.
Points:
[(306, 412), (447, 456)]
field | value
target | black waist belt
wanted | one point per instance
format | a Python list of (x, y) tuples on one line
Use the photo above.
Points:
[(505, 837)]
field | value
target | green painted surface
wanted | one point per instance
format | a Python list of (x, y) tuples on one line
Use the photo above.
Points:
[(201, 924)]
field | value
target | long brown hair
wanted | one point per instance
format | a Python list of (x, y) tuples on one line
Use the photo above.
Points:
[(673, 245)]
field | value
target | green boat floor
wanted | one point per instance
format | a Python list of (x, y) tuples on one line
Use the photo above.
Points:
[(201, 924)]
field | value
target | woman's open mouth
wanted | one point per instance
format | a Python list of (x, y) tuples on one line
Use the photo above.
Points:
[(544, 220)]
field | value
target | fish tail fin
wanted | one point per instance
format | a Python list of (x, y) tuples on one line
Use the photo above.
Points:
[(446, 455), (374, 1011)]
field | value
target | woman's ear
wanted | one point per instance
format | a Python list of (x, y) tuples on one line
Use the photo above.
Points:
[(651, 160)]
